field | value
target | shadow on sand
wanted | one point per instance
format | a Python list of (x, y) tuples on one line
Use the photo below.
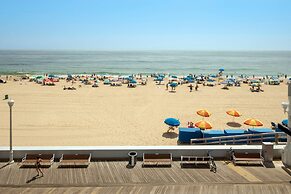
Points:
[(170, 135), (33, 179), (7, 164), (233, 124)]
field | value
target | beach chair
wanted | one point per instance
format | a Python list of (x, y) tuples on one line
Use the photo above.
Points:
[(30, 159), (75, 160), (157, 159), (194, 160), (246, 157)]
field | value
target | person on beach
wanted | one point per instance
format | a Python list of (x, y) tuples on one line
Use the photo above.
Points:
[(38, 166), (191, 87), (196, 87), (167, 86)]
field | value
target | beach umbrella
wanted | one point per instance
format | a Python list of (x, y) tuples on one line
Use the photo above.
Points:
[(253, 122), (285, 122), (173, 84), (174, 76), (106, 81), (159, 79), (172, 122), (203, 113), (221, 69), (233, 113), (203, 125), (133, 81)]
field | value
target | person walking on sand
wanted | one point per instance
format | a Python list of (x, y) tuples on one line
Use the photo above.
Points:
[(38, 166), (196, 87), (191, 87), (167, 86)]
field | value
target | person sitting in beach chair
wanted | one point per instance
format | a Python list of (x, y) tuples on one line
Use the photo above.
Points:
[(225, 87), (190, 125)]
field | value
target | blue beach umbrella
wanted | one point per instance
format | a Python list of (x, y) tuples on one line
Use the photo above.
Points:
[(133, 81), (172, 122), (221, 69), (174, 76), (159, 79), (106, 81), (285, 122), (173, 84)]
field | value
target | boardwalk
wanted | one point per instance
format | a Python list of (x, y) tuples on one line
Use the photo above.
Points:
[(114, 177)]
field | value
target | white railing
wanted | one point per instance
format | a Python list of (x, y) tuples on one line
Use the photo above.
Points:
[(236, 139)]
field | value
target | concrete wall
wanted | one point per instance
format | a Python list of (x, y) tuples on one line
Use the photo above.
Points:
[(120, 152)]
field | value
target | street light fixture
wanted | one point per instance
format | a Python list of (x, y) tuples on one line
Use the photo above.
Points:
[(285, 106), (10, 104)]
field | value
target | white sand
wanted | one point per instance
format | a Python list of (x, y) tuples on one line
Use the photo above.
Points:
[(48, 115)]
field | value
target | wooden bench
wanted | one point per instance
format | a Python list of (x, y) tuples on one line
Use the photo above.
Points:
[(75, 160), (247, 157), (195, 160), (30, 160), (157, 159)]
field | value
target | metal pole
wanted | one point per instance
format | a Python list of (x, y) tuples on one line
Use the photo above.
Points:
[(11, 150)]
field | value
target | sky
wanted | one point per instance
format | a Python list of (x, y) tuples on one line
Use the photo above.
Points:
[(145, 24)]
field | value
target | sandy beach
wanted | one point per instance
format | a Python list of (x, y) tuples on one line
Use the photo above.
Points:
[(49, 115)]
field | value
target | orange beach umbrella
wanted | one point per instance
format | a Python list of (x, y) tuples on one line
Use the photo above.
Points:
[(253, 122), (233, 113), (203, 125), (203, 113)]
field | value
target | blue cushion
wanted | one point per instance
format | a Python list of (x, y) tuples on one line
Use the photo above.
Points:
[(262, 130), (186, 134), (212, 133), (231, 132)]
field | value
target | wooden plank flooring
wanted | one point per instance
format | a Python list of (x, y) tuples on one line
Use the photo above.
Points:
[(114, 177)]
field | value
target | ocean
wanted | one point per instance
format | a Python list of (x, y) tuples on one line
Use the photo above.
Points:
[(132, 62)]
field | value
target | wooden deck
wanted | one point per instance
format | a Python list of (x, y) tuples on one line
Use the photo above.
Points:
[(114, 177)]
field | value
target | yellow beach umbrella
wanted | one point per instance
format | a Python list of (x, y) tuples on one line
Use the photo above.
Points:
[(203, 113), (233, 113), (253, 122), (203, 125)]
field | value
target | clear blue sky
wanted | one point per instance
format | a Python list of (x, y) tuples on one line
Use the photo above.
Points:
[(146, 24)]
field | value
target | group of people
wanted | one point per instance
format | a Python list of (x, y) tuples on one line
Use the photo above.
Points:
[(191, 87)]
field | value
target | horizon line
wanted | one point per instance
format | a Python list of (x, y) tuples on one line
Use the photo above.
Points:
[(150, 50)]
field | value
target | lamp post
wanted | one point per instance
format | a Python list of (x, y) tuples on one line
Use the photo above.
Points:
[(286, 156), (10, 104)]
